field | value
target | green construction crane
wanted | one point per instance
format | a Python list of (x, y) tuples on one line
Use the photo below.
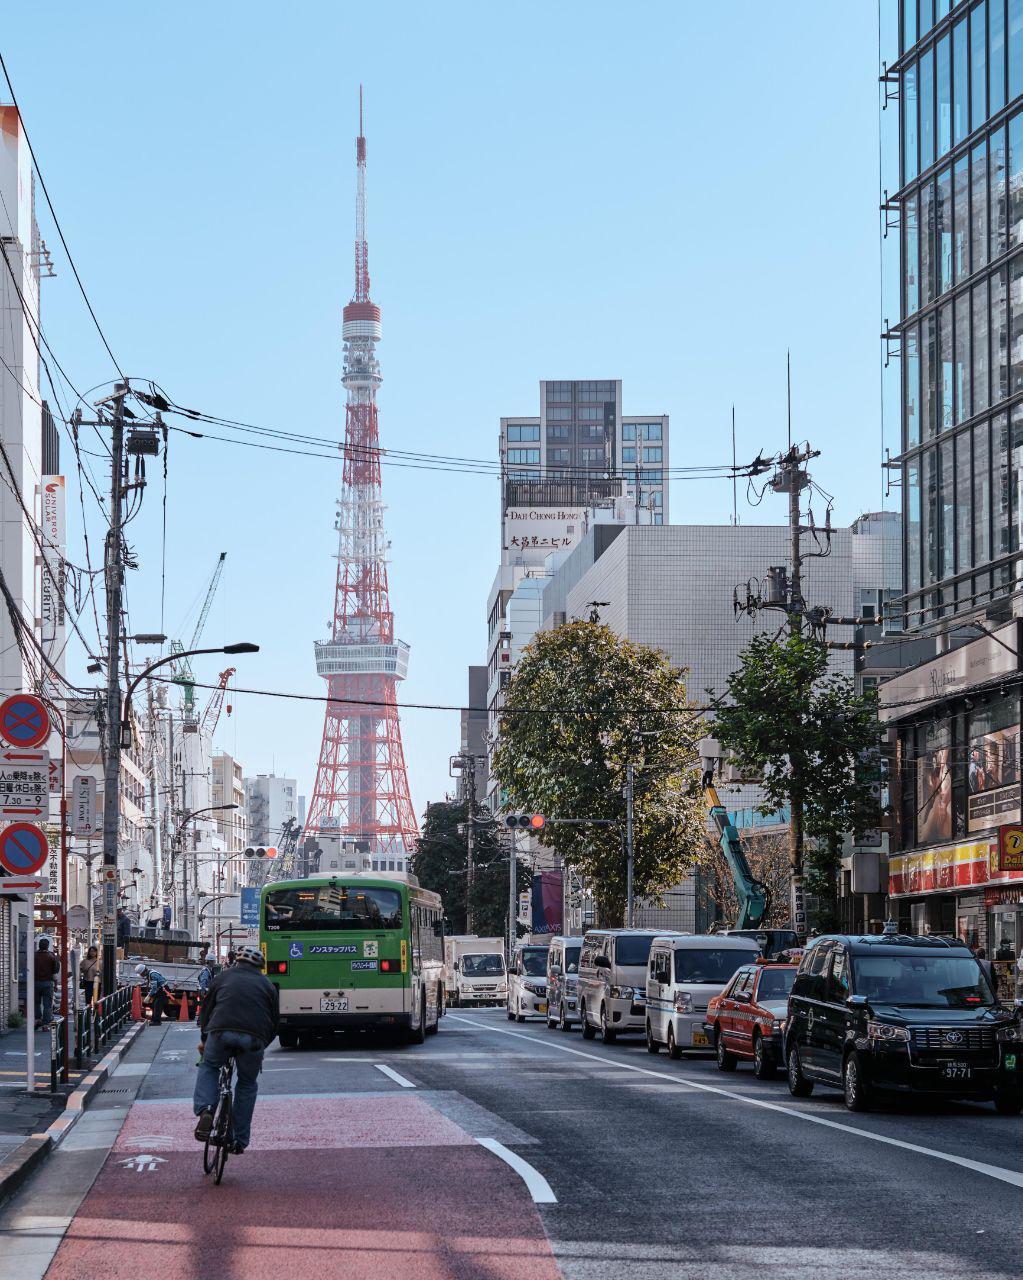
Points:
[(182, 668)]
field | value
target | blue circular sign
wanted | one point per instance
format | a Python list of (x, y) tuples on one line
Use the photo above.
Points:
[(23, 848), (24, 721)]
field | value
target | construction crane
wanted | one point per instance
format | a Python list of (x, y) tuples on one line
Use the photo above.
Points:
[(211, 716), (182, 668), (754, 896)]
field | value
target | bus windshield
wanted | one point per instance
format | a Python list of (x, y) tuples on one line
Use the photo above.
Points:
[(327, 907)]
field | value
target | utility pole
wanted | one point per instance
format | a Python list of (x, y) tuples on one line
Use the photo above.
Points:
[(470, 837), (154, 801), (630, 848), (513, 894), (113, 573)]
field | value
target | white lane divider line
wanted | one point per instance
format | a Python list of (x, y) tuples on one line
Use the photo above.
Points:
[(1011, 1176), (393, 1075), (536, 1184)]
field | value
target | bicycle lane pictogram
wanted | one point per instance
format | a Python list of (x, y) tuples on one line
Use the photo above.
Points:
[(420, 1196)]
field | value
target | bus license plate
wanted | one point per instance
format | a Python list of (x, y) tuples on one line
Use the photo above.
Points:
[(334, 1004), (955, 1071)]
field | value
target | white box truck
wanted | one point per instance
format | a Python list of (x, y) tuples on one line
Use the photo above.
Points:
[(474, 969)]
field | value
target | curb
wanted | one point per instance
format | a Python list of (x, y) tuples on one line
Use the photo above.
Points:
[(21, 1163)]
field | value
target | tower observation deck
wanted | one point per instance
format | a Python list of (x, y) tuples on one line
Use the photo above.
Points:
[(361, 790)]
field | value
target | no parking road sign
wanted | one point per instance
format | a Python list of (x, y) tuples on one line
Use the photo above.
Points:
[(23, 848), (24, 721)]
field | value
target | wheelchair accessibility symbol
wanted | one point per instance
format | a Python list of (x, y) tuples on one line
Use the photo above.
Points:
[(296, 950)]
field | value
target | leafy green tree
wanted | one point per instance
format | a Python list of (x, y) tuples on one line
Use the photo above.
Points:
[(815, 742), (581, 704), (440, 860)]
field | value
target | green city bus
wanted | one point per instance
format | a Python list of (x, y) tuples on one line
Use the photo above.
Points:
[(353, 952)]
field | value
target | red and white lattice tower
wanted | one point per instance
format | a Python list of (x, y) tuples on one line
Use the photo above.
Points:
[(361, 787)]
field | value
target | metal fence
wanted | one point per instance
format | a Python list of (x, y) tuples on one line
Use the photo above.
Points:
[(96, 1024)]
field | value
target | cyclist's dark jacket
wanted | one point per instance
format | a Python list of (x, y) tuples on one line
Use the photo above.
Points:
[(241, 999)]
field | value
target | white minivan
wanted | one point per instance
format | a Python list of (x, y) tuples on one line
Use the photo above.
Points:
[(683, 972)]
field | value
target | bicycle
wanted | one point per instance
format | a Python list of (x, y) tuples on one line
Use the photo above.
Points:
[(221, 1137)]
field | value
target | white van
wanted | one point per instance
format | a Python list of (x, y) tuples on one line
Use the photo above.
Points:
[(683, 972), (612, 978), (527, 983)]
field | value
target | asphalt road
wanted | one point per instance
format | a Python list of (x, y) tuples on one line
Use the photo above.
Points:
[(499, 1149)]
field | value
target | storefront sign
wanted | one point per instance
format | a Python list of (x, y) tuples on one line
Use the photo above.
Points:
[(532, 533), (1010, 847), (951, 673), (940, 870)]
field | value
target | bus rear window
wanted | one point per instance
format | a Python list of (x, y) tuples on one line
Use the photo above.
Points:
[(328, 908)]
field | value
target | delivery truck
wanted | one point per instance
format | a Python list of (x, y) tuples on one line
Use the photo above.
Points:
[(474, 970)]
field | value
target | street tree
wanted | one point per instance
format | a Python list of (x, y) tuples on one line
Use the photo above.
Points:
[(581, 704), (440, 860), (815, 744)]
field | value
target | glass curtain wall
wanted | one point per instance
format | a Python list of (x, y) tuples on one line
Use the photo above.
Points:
[(961, 331)]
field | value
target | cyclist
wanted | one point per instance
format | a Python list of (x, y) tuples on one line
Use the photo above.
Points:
[(238, 1019)]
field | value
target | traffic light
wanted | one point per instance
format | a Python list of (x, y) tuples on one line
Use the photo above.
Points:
[(530, 821), (261, 851)]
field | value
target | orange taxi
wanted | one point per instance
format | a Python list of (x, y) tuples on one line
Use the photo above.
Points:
[(747, 1020)]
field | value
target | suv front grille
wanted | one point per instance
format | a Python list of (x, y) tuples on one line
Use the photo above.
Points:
[(954, 1039)]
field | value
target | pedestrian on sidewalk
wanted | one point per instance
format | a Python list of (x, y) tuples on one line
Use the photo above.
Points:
[(46, 970), (156, 993), (239, 1018), (87, 973)]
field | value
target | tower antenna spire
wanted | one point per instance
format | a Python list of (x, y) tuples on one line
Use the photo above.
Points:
[(361, 791)]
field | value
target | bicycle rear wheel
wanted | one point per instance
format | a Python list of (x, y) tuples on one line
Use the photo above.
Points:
[(223, 1130)]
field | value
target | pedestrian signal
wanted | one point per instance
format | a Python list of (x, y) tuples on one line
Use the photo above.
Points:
[(530, 821)]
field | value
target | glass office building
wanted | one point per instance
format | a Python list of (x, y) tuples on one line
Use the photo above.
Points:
[(960, 88)]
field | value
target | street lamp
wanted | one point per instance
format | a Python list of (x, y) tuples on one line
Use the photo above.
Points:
[(242, 647)]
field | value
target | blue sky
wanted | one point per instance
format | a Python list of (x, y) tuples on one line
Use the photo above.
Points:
[(672, 194)]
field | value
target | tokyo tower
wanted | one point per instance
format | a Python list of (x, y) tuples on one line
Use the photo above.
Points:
[(362, 790)]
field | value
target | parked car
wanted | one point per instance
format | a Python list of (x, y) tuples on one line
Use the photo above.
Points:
[(901, 1014), (685, 971), (527, 983), (747, 1020), (612, 982), (563, 982)]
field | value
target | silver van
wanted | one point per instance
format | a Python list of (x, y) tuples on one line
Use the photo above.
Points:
[(684, 972), (612, 982), (563, 982)]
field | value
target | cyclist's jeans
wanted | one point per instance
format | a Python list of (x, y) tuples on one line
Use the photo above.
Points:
[(248, 1054)]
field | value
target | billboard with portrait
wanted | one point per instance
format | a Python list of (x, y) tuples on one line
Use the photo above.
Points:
[(934, 795), (992, 775)]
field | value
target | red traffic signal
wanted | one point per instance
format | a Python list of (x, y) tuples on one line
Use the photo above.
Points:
[(261, 851), (530, 821)]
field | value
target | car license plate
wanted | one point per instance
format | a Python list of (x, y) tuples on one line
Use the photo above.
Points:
[(1010, 1062), (700, 1039), (334, 1004), (955, 1071), (541, 1008)]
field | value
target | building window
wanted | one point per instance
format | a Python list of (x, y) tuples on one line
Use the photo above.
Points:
[(652, 454), (628, 431), (658, 518), (557, 414), (558, 432), (523, 455), (652, 431), (523, 475), (523, 432), (629, 454), (652, 477), (559, 457), (590, 456)]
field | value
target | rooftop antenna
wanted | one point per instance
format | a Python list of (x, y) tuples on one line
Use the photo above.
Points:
[(788, 378)]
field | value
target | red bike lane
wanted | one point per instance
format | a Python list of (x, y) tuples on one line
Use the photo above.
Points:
[(374, 1186)]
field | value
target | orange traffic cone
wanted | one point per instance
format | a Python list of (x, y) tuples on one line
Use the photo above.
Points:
[(183, 1015), (136, 1005)]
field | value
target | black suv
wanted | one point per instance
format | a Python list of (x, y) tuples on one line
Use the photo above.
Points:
[(899, 1013)]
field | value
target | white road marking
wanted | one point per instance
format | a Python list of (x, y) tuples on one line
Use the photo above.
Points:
[(988, 1170), (393, 1075), (537, 1185)]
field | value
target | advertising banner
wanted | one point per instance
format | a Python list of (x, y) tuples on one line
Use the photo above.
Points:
[(533, 533), (547, 896), (993, 779), (52, 616), (934, 795)]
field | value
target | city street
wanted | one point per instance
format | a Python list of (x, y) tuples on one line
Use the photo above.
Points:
[(370, 1159)]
